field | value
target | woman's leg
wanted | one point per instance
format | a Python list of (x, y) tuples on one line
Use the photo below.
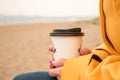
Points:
[(34, 76)]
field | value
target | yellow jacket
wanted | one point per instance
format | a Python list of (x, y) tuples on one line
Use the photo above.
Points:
[(104, 61)]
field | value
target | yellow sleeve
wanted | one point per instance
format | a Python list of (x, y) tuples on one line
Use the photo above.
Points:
[(108, 69), (76, 68)]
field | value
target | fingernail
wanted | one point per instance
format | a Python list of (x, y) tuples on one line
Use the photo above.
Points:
[(84, 50), (53, 62), (50, 49)]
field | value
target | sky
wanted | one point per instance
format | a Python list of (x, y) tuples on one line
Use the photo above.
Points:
[(50, 8)]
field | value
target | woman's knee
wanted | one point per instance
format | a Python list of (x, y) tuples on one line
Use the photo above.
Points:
[(34, 76), (24, 76)]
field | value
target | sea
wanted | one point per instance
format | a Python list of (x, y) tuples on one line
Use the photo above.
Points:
[(20, 19)]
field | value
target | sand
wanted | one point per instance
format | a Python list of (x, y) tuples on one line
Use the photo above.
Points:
[(24, 47)]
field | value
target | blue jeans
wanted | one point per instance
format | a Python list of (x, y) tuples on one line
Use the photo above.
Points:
[(34, 76)]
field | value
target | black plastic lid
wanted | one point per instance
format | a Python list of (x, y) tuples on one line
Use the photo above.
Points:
[(67, 32)]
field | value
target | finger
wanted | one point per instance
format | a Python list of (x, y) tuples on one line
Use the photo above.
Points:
[(51, 57), (85, 51), (55, 72), (58, 77), (59, 63), (51, 66), (50, 49)]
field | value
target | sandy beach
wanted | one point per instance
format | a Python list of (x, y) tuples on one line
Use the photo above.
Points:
[(24, 47)]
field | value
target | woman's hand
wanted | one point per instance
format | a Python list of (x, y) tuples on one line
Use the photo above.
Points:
[(56, 66), (56, 71)]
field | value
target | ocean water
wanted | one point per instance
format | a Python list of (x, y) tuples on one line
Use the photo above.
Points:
[(7, 20)]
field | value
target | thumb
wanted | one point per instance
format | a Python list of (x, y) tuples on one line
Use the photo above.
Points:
[(85, 51)]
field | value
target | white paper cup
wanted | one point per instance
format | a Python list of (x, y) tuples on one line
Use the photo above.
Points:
[(66, 42)]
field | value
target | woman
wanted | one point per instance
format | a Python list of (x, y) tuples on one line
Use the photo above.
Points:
[(104, 61)]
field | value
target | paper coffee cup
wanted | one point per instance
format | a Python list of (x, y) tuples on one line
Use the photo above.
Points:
[(66, 42)]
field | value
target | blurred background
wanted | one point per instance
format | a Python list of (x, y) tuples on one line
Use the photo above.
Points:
[(25, 26), (22, 11)]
